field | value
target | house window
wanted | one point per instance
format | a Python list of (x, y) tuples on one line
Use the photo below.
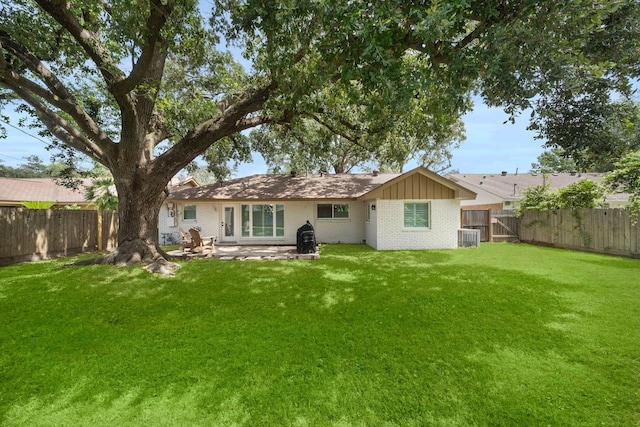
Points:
[(333, 210), (189, 212), (416, 215), (262, 220)]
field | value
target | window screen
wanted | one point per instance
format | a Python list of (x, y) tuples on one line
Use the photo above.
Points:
[(189, 212), (416, 215)]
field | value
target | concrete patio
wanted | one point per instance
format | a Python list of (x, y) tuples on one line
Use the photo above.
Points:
[(242, 253)]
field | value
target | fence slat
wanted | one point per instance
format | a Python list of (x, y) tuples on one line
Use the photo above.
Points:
[(494, 225), (27, 234), (609, 231)]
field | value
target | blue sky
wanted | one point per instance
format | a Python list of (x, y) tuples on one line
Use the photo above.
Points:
[(491, 145)]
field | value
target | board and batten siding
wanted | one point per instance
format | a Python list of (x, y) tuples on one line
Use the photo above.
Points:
[(414, 187)]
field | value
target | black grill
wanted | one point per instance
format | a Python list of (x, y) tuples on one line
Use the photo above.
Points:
[(306, 238)]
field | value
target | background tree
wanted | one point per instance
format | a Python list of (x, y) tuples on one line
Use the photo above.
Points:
[(33, 167), (306, 146), (536, 198), (583, 194), (140, 86), (626, 179), (337, 134), (554, 161), (590, 113), (102, 192), (590, 129)]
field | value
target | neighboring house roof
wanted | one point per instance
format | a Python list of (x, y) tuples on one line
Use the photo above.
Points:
[(177, 184), (307, 186), (14, 191), (510, 187)]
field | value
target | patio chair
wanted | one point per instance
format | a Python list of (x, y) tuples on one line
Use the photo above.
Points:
[(198, 242), (187, 242)]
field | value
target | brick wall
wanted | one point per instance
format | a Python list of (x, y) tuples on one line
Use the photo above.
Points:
[(443, 233)]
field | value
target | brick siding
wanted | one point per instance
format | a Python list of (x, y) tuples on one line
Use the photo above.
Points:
[(442, 234)]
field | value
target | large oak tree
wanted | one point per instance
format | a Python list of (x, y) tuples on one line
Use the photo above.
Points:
[(140, 87)]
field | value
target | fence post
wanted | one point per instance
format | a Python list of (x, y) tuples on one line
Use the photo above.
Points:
[(490, 227), (99, 230)]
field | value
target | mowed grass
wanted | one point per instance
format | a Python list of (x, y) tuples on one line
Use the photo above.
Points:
[(501, 335)]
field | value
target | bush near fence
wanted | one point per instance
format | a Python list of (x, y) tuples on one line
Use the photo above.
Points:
[(607, 231), (29, 235)]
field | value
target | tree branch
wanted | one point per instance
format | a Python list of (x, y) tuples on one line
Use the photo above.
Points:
[(153, 49), (233, 117), (332, 129), (57, 95), (91, 44), (436, 50), (248, 123), (89, 41), (60, 128)]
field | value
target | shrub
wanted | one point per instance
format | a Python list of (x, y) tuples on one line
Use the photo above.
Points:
[(582, 194)]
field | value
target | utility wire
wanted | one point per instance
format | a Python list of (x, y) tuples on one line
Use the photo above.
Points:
[(23, 131)]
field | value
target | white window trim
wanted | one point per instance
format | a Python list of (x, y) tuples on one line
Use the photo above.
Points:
[(190, 219), (429, 215), (274, 236)]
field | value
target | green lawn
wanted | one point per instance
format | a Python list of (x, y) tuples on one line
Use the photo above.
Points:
[(502, 335)]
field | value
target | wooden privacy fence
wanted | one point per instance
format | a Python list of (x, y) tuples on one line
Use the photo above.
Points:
[(608, 231), (27, 235), (494, 225)]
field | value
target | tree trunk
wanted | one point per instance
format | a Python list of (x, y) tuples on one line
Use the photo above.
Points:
[(140, 196)]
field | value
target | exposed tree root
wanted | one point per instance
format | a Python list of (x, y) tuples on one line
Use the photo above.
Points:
[(131, 253)]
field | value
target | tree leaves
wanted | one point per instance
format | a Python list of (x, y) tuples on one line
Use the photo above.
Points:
[(581, 194), (588, 125), (625, 178)]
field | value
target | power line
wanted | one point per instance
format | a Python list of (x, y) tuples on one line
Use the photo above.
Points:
[(23, 131), (10, 157)]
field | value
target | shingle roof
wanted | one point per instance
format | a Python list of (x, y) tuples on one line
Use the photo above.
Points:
[(277, 187), (512, 186), (17, 190)]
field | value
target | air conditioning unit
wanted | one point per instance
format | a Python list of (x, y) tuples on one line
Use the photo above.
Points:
[(468, 237)]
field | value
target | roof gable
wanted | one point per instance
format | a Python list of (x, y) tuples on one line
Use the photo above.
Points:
[(420, 183)]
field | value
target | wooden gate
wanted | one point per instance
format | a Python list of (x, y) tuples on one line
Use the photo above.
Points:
[(494, 225), (477, 220), (504, 226)]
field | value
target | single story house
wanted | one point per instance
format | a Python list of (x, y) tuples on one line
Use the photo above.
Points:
[(418, 209), (16, 191), (503, 191)]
